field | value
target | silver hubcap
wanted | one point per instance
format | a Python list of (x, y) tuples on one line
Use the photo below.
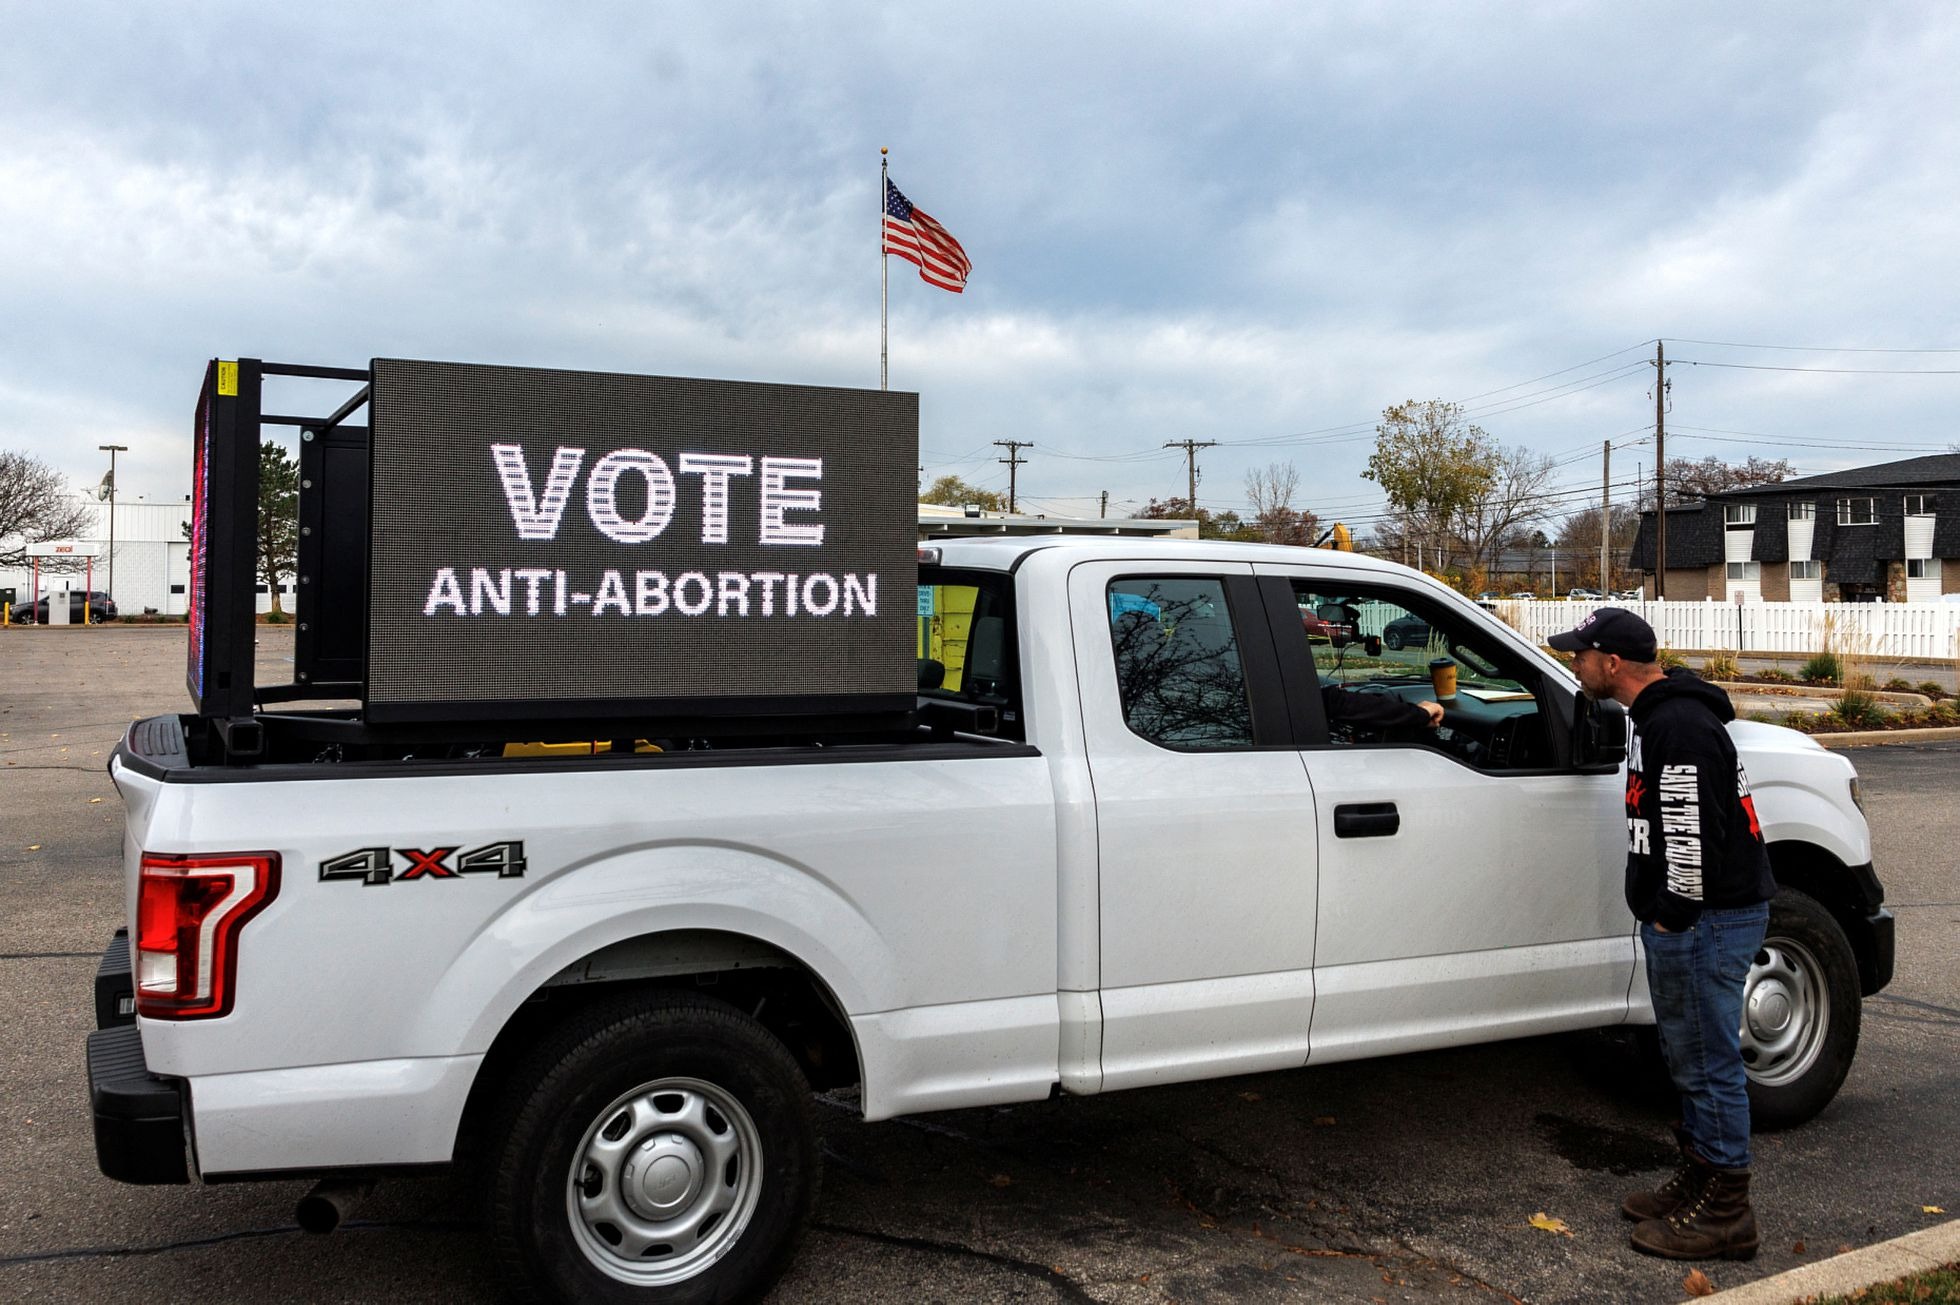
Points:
[(1786, 1013), (664, 1181)]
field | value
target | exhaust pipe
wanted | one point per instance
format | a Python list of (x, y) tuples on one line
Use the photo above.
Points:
[(331, 1202)]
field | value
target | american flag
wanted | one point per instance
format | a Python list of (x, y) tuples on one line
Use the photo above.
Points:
[(916, 238)]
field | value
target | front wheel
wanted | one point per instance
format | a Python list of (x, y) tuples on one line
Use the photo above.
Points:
[(1392, 641), (1801, 1007), (659, 1148)]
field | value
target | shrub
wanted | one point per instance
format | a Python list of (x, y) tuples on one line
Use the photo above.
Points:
[(1821, 668), (1859, 710), (275, 618), (1669, 659), (1931, 688), (1720, 667), (1898, 685), (1801, 721), (1775, 675), (1944, 712)]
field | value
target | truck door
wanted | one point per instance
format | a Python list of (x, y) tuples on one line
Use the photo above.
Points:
[(1470, 877), (1205, 824)]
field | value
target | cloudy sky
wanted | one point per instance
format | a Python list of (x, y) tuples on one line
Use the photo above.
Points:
[(1255, 224)]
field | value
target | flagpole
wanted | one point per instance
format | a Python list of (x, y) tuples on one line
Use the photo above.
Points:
[(884, 185)]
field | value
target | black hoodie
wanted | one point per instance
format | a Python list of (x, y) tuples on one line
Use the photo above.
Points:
[(1693, 840)]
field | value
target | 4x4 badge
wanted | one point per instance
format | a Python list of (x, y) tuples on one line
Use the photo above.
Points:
[(375, 866)]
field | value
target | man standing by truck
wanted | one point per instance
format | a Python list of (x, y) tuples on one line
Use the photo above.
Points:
[(1699, 881)]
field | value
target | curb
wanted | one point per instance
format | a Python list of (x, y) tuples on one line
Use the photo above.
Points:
[(1819, 692), (1929, 1248), (1875, 738)]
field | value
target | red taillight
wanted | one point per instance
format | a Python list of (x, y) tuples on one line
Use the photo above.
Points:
[(189, 910)]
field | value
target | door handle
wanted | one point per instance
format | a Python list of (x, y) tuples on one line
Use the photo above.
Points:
[(1366, 820)]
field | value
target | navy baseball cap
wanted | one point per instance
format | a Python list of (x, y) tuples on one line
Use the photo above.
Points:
[(1611, 630)]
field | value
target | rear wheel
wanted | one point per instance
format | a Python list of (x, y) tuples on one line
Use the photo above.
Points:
[(1392, 640), (655, 1149), (1801, 1009)]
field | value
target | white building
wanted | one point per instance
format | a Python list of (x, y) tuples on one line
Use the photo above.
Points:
[(152, 561)]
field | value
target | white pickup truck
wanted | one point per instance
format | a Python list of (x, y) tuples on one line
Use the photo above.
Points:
[(1123, 847)]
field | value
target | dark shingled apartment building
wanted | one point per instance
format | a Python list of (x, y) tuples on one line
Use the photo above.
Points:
[(1888, 532)]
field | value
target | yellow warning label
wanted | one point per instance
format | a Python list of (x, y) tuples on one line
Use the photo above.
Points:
[(228, 378)]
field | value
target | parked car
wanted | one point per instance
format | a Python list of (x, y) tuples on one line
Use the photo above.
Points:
[(1579, 594), (101, 607), (1521, 593), (1405, 632)]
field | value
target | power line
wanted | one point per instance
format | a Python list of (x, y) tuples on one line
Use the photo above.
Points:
[(1799, 348), (1831, 371), (1562, 371)]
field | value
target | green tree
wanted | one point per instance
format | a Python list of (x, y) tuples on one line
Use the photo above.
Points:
[(951, 491), (1432, 465), (278, 554), (278, 517)]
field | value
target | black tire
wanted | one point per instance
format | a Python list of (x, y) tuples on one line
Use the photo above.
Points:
[(625, 1062), (1392, 641), (1807, 964)]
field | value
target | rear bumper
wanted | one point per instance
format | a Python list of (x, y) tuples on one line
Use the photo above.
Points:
[(139, 1116)]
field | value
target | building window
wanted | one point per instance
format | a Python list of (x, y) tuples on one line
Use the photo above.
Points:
[(1803, 512), (1738, 515), (1857, 511), (176, 589), (1745, 570), (1915, 568), (1806, 570), (1919, 505)]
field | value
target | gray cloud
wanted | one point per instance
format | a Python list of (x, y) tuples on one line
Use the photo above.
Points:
[(1238, 225)]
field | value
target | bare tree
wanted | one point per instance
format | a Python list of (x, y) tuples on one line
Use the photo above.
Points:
[(1512, 503), (36, 506), (1689, 481), (1578, 540), (1274, 518)]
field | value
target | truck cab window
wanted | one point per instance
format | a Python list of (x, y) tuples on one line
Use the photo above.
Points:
[(966, 643), (1385, 642), (1177, 663)]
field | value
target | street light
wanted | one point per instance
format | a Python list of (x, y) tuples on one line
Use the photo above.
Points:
[(112, 450)]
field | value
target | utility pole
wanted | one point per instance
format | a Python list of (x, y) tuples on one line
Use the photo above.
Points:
[(1606, 522), (112, 450), (1104, 513), (1013, 461), (1191, 448), (1660, 470)]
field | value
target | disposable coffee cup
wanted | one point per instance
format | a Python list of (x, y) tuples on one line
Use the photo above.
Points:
[(1442, 674)]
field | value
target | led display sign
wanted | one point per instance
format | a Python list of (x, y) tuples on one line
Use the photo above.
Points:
[(559, 544)]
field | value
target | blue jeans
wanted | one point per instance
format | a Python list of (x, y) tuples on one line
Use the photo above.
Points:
[(1696, 979)]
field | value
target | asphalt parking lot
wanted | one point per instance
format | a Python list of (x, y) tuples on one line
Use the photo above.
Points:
[(1406, 1179)]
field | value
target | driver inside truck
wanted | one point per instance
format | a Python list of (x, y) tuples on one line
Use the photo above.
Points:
[(1359, 709)]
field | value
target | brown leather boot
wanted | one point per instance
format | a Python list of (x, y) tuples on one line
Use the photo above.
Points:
[(1716, 1224), (1672, 1194)]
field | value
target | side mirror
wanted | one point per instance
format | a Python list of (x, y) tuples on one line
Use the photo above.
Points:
[(1372, 645), (1599, 733)]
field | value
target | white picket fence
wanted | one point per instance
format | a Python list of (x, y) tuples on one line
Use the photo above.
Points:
[(1904, 630)]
